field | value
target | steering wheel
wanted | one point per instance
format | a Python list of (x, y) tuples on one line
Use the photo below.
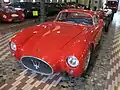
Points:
[(71, 21), (84, 23)]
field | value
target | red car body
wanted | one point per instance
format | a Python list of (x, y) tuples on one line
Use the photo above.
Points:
[(9, 14), (101, 13), (52, 43)]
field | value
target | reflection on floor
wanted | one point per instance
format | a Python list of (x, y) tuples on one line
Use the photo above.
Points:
[(113, 78)]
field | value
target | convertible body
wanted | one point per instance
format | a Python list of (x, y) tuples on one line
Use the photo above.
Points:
[(58, 45)]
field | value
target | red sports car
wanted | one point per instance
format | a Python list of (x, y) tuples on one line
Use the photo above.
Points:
[(9, 14), (65, 44)]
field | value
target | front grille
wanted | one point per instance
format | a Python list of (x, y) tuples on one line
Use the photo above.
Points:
[(15, 19), (37, 65)]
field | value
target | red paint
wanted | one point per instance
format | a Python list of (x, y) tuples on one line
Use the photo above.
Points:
[(58, 40), (101, 13)]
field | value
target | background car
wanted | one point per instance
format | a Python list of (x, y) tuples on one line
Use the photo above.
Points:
[(107, 11), (70, 5), (101, 13), (65, 44), (108, 17), (113, 5), (52, 8), (9, 14), (30, 9)]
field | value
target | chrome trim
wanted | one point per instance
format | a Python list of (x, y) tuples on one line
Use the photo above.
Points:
[(34, 70), (69, 64)]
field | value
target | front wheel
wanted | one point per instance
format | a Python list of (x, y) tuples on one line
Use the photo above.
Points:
[(87, 60), (107, 26)]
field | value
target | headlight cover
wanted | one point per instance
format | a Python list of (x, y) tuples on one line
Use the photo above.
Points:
[(72, 61), (13, 46)]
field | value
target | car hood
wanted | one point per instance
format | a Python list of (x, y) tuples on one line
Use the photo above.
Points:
[(49, 39)]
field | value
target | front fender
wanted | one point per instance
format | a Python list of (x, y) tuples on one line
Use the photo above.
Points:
[(20, 39), (79, 49)]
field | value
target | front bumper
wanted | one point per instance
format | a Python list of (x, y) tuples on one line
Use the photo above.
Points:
[(13, 19), (37, 65)]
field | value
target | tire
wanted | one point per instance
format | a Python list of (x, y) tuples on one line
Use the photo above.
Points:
[(107, 26), (100, 39), (112, 15), (87, 60), (0, 21), (89, 64)]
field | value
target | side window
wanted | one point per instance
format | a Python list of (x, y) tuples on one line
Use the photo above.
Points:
[(63, 16), (95, 19), (1, 9)]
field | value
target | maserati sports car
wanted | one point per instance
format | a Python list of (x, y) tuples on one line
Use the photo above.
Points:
[(9, 14), (63, 45)]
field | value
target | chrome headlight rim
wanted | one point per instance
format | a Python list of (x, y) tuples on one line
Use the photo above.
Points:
[(13, 46), (72, 60)]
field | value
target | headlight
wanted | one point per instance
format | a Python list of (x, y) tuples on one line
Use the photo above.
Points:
[(72, 61), (13, 46), (14, 15), (4, 16)]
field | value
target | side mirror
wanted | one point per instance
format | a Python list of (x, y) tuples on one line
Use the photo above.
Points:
[(100, 21)]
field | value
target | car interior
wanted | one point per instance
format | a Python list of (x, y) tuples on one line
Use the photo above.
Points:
[(75, 17)]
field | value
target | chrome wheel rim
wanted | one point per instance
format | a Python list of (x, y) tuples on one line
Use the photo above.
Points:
[(87, 60)]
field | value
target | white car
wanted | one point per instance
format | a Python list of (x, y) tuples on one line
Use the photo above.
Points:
[(107, 12)]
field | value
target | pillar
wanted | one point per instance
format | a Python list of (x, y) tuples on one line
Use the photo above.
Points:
[(119, 6)]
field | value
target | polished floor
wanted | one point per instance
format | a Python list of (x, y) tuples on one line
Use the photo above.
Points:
[(113, 78)]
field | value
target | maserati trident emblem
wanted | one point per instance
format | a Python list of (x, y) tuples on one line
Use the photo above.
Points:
[(36, 64), (38, 49)]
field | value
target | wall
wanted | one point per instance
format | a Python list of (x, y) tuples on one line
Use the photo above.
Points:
[(119, 6), (2, 3), (104, 2), (81, 1), (97, 3), (86, 2)]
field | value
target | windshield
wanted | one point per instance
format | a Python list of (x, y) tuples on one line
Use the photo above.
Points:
[(75, 17), (9, 9), (16, 4)]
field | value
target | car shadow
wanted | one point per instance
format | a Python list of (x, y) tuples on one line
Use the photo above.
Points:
[(92, 65), (72, 81)]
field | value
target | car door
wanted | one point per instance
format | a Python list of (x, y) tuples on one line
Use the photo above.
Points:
[(98, 28)]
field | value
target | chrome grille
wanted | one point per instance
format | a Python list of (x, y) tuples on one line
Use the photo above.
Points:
[(37, 65)]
